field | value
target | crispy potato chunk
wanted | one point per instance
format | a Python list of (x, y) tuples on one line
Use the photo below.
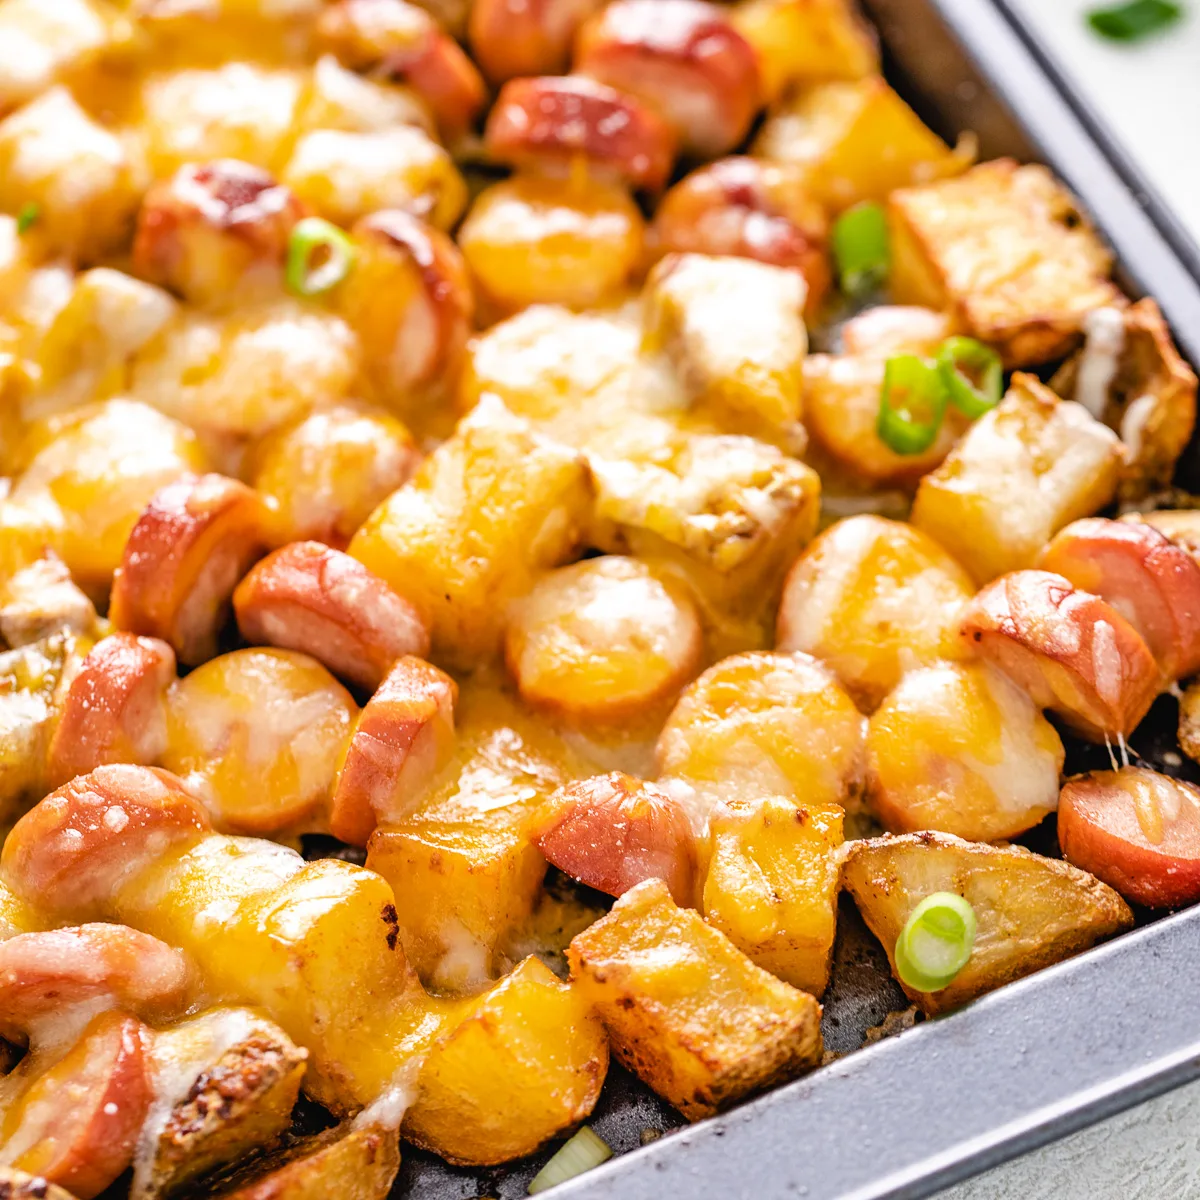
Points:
[(1024, 470), (509, 40), (764, 723), (1031, 911), (772, 884), (78, 174), (259, 734), (960, 748), (532, 1040), (800, 42), (335, 98), (345, 176), (1006, 250), (685, 1010), (323, 475), (488, 510), (684, 58), (734, 330), (855, 141), (1070, 651), (603, 640), (1130, 376), (873, 598), (550, 241), (40, 600)]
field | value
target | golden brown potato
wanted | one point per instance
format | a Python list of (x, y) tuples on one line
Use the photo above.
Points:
[(323, 475), (772, 884), (764, 723), (515, 37), (552, 122), (335, 98), (308, 597), (1189, 722), (684, 58), (960, 748), (1031, 911), (800, 42), (196, 538), (603, 640), (1070, 651), (78, 174), (40, 600), (873, 598), (213, 229), (1006, 250), (20, 1185), (685, 1010), (1130, 376), (488, 510), (552, 241), (532, 1040), (734, 331), (259, 735), (1024, 470), (855, 141)]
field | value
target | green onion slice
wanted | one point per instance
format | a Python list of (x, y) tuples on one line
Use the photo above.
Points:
[(1133, 21), (578, 1154), (972, 375), (28, 216), (911, 404), (860, 246), (319, 257), (936, 942)]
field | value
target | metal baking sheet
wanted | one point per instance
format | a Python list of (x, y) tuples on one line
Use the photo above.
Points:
[(1038, 1059)]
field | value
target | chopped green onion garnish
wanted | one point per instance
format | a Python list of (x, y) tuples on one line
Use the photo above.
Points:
[(578, 1154), (860, 246), (28, 216), (319, 257), (972, 374), (936, 942), (1133, 21), (911, 404)]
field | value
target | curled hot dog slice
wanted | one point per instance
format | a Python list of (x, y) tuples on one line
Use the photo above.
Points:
[(403, 736), (525, 37), (682, 57), (115, 709), (183, 559), (554, 121), (1137, 830), (77, 1123), (1152, 582), (1071, 652), (309, 597), (68, 853), (613, 832)]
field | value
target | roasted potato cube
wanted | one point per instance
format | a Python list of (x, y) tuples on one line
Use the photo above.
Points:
[(15, 915), (734, 331), (873, 598), (510, 40), (960, 748), (41, 600), (764, 723), (527, 1062), (800, 42), (78, 174), (1130, 376), (1007, 252), (1031, 911), (551, 241), (345, 176), (772, 884), (335, 98), (685, 1010), (1032, 465), (488, 510), (855, 141)]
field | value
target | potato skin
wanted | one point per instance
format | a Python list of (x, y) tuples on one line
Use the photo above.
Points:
[(1137, 830)]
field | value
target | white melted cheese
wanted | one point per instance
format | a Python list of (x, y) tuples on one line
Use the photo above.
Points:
[(1101, 357)]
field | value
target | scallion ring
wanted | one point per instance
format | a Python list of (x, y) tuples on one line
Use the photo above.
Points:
[(972, 374), (578, 1154), (319, 257), (912, 404), (936, 942), (860, 248), (28, 216)]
